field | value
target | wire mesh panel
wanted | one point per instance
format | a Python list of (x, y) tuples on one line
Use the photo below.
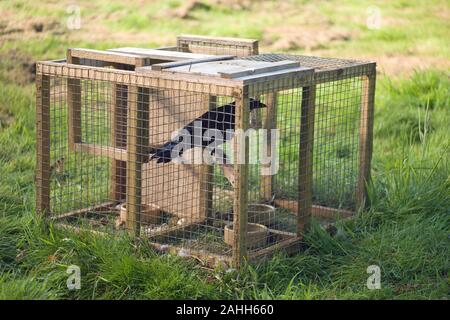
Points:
[(80, 151), (172, 199), (217, 46), (341, 95), (336, 150), (274, 162)]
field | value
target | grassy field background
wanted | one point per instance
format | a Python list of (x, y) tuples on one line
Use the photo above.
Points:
[(405, 232)]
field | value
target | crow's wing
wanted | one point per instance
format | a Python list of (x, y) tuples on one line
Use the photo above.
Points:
[(221, 119)]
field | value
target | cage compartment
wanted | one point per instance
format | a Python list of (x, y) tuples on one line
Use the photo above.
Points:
[(101, 114)]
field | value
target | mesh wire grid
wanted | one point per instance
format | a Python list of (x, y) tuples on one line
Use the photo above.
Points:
[(191, 205)]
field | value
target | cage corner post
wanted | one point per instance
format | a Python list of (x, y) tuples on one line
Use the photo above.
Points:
[(366, 136), (305, 176), (241, 171), (43, 172), (137, 145), (118, 133), (255, 48), (74, 105)]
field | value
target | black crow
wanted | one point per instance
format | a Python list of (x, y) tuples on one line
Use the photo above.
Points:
[(221, 119)]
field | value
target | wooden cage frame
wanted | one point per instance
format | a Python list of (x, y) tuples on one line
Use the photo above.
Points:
[(132, 69)]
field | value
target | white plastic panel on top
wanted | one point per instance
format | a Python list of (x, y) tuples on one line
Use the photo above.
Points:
[(160, 54), (236, 68)]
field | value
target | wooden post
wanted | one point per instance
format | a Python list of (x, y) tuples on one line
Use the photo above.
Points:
[(270, 122), (137, 143), (43, 173), (365, 138), (207, 176), (241, 176), (255, 48), (305, 174), (118, 135), (74, 105), (118, 138)]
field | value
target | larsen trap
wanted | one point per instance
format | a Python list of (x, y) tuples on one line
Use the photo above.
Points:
[(205, 149)]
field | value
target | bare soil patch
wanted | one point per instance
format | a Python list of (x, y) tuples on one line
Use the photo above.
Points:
[(12, 28), (304, 37), (401, 65), (18, 67), (185, 11), (6, 119)]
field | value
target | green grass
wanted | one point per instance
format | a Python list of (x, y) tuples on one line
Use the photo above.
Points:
[(405, 231)]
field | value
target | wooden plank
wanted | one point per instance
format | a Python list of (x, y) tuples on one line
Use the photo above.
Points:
[(266, 253), (105, 205), (105, 56), (166, 65), (74, 105), (270, 122), (305, 171), (167, 229), (145, 77), (206, 258), (316, 210), (43, 173), (101, 150), (175, 188), (323, 76), (203, 84), (365, 138), (156, 54), (241, 169), (283, 234), (270, 67), (119, 59)]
